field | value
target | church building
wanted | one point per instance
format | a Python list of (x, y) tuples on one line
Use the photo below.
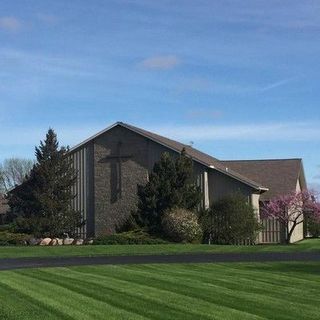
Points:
[(112, 163)]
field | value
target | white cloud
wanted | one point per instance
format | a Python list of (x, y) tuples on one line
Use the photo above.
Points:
[(290, 131), (10, 24), (160, 62), (218, 86), (277, 84)]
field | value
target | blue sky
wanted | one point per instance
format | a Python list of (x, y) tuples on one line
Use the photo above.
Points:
[(238, 78)]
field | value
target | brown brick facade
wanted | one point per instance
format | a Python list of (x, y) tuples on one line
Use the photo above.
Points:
[(116, 178)]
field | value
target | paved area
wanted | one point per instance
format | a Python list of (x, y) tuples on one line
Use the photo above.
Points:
[(18, 263)]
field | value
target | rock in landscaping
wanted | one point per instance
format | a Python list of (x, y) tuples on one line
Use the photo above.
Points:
[(54, 242), (68, 241), (45, 242), (78, 242), (34, 241), (59, 242), (88, 241)]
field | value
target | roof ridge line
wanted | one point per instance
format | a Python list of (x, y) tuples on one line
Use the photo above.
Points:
[(274, 159)]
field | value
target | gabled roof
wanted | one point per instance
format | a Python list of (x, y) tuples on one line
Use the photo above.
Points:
[(280, 175), (195, 154)]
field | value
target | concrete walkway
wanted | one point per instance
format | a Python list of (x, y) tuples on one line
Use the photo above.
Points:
[(18, 263)]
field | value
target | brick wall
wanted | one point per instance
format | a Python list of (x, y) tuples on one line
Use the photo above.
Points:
[(116, 197), (114, 200)]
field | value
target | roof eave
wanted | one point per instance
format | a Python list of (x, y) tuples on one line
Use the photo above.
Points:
[(94, 136)]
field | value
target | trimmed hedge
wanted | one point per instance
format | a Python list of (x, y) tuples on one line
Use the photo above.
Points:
[(130, 237)]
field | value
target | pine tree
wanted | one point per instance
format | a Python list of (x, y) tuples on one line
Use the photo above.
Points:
[(43, 202), (170, 185)]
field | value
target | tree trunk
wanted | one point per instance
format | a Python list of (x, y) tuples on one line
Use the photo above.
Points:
[(290, 232)]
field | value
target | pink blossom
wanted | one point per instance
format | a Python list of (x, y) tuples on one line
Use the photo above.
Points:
[(291, 209)]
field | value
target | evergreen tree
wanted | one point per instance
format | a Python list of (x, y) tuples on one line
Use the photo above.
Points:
[(43, 201), (170, 185)]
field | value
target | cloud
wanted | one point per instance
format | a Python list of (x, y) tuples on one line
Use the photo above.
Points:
[(290, 131), (47, 18), (206, 85), (14, 61), (160, 62), (198, 84), (10, 24), (277, 84)]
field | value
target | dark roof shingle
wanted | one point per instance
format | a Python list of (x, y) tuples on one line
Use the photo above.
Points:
[(197, 155), (279, 175)]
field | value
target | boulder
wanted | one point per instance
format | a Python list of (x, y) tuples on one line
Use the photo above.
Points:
[(45, 242), (78, 242), (59, 241), (54, 242), (88, 241), (68, 241), (34, 241)]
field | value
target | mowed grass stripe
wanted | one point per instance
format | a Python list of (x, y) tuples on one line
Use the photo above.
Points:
[(297, 307), (17, 305), (174, 291), (242, 283), (190, 295), (244, 279), (140, 297), (73, 304), (245, 302)]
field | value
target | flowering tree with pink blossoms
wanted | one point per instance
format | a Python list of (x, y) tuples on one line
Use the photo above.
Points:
[(291, 209)]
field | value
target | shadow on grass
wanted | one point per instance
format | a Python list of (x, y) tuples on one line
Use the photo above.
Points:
[(311, 268)]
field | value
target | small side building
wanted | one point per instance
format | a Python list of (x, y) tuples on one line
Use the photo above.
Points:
[(282, 176)]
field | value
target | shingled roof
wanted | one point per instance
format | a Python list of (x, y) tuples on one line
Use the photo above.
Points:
[(280, 175), (195, 154)]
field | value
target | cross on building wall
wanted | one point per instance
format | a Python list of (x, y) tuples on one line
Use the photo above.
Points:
[(116, 171)]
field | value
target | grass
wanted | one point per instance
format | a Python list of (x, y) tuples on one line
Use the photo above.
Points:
[(175, 291), (94, 250)]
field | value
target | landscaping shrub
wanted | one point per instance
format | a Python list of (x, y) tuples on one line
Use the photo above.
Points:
[(181, 225), (313, 227), (130, 237), (6, 227), (171, 185), (11, 238), (230, 220)]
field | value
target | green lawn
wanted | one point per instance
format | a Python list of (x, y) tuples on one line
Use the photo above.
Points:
[(175, 291), (37, 251)]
